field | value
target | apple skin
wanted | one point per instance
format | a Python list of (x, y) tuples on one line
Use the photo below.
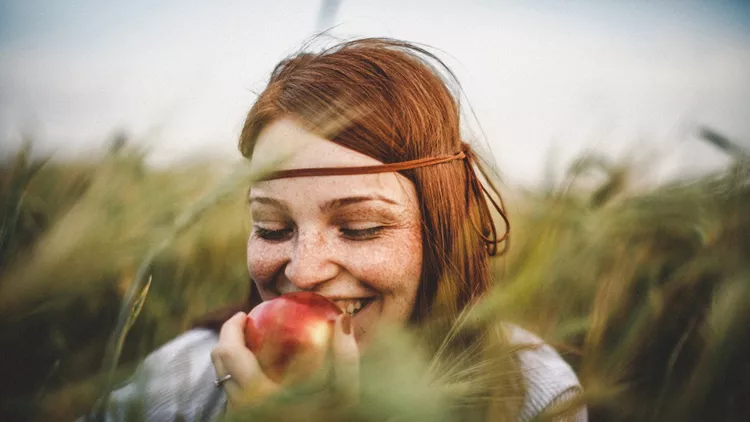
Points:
[(290, 335)]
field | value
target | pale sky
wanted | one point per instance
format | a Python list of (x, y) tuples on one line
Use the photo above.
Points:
[(547, 79)]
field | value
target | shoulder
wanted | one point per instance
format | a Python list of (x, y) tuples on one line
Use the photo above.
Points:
[(190, 348), (176, 379), (549, 379)]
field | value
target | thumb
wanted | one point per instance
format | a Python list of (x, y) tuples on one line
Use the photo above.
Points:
[(345, 358)]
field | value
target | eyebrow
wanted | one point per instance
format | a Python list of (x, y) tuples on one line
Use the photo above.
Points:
[(268, 201), (328, 205), (351, 200)]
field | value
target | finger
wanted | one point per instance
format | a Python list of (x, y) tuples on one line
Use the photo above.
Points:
[(230, 356), (223, 351), (345, 358), (225, 338), (217, 354), (233, 330), (234, 358), (248, 384), (231, 388)]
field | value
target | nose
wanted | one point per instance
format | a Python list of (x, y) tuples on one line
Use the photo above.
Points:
[(311, 262)]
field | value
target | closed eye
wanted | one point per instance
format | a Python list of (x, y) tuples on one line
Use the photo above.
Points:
[(362, 234), (273, 235)]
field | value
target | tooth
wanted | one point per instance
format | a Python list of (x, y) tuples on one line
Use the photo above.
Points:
[(350, 308), (358, 305)]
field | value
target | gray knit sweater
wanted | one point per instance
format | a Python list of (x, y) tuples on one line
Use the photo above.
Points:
[(177, 381)]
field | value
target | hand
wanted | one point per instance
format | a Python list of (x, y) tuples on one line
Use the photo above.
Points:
[(230, 356), (250, 385)]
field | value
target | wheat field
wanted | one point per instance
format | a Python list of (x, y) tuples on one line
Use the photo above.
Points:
[(645, 290)]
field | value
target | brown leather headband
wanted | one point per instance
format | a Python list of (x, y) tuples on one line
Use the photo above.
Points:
[(381, 168), (487, 230)]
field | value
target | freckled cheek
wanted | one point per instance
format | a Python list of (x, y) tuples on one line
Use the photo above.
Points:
[(394, 267), (264, 260)]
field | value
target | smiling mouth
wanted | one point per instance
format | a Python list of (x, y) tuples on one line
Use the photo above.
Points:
[(353, 306)]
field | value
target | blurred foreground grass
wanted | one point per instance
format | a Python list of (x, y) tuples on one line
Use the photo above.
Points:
[(646, 292)]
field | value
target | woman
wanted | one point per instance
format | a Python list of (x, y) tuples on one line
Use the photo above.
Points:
[(376, 205)]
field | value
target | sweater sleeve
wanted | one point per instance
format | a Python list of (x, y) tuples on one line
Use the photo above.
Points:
[(580, 415), (549, 379), (175, 382)]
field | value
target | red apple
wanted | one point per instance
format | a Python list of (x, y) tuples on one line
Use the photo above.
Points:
[(291, 334)]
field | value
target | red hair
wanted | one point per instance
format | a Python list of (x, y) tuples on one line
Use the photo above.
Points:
[(389, 100)]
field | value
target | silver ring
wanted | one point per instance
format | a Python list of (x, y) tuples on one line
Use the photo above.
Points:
[(222, 380)]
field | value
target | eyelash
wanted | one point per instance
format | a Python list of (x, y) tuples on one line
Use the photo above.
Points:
[(352, 234), (272, 235), (363, 234)]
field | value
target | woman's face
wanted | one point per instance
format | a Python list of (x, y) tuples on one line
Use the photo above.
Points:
[(354, 239)]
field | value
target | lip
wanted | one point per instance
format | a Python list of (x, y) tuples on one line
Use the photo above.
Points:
[(335, 298)]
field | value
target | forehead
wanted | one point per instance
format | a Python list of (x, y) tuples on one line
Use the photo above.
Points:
[(285, 145)]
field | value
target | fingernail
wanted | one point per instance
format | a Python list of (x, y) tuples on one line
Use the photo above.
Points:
[(346, 323)]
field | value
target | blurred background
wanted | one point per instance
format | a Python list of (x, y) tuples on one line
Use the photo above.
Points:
[(621, 131), (542, 76)]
